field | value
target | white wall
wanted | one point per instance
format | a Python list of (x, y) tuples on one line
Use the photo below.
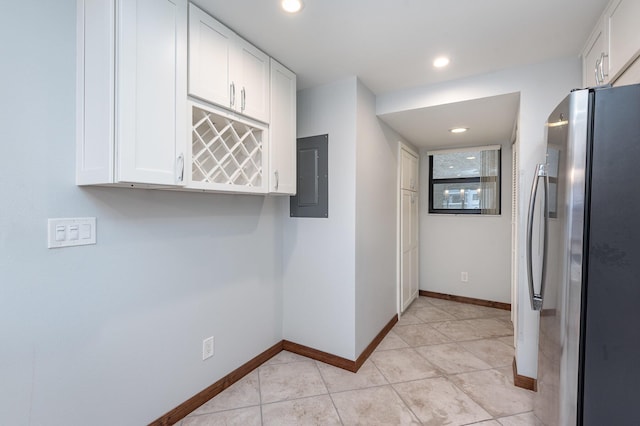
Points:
[(541, 87), (113, 332), (340, 272), (478, 245), (319, 254), (376, 216)]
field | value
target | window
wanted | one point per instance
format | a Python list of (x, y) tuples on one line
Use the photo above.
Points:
[(465, 181)]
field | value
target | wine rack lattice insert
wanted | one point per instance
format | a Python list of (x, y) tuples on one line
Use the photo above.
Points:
[(225, 151)]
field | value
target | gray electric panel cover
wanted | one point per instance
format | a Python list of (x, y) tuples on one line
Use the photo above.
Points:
[(312, 198)]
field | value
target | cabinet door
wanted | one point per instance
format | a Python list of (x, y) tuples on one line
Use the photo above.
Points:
[(151, 91), (630, 76), (409, 171), (95, 79), (211, 47), (250, 74), (623, 17), (594, 53), (282, 131)]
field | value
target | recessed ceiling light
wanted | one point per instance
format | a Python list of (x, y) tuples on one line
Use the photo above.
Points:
[(459, 129), (440, 62), (291, 6), (471, 158)]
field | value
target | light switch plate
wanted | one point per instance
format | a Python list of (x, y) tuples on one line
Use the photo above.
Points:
[(67, 232)]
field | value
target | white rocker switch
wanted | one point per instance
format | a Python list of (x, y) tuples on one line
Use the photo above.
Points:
[(74, 232), (61, 232)]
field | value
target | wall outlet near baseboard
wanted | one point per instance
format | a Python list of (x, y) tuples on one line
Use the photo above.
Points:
[(207, 348), (464, 277)]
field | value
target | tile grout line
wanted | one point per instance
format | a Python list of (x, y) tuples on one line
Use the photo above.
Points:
[(471, 397), (333, 403), (440, 373), (260, 393), (405, 402), (447, 376)]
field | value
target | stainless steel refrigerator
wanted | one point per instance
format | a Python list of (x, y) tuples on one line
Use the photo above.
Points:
[(583, 260)]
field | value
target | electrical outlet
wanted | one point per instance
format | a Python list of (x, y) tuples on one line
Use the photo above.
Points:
[(207, 348), (464, 277)]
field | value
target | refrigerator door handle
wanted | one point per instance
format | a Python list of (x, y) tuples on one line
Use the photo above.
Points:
[(536, 298)]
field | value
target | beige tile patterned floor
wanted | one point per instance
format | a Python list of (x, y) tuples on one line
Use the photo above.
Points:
[(444, 363)]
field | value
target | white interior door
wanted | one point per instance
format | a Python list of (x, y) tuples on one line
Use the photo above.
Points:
[(406, 271), (408, 228)]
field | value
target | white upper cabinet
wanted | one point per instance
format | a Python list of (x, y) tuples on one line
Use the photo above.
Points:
[(131, 92), (251, 79), (137, 63), (409, 170), (282, 131), (594, 64), (225, 69), (623, 24), (211, 46), (613, 45)]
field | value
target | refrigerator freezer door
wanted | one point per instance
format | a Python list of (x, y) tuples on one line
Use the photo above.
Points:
[(611, 317), (556, 399)]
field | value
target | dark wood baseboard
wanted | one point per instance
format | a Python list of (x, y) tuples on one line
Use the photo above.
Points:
[(337, 361), (523, 381), (182, 410), (318, 355), (468, 300), (375, 342)]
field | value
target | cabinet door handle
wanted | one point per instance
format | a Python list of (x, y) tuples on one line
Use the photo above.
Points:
[(602, 74), (277, 179), (180, 167), (597, 73), (243, 99), (232, 94)]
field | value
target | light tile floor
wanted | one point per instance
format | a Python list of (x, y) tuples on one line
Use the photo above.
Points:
[(444, 363)]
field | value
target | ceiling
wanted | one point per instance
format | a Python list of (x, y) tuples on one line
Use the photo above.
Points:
[(489, 120), (390, 44)]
